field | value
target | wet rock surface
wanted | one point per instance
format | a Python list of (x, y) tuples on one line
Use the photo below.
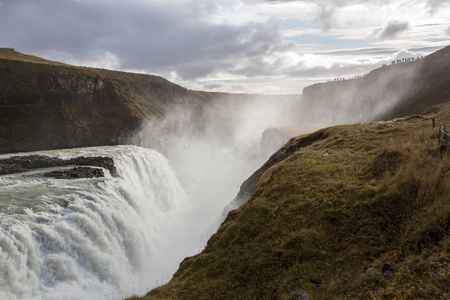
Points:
[(103, 162), (79, 172), (17, 164)]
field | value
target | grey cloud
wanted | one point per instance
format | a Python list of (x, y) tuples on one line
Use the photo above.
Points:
[(448, 31), (155, 36), (327, 9), (392, 29), (301, 69), (435, 5), (225, 47), (379, 51), (325, 15), (237, 88), (213, 85)]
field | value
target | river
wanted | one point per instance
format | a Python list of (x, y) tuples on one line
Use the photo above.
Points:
[(101, 238)]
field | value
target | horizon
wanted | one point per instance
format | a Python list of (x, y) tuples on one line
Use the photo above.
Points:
[(250, 47)]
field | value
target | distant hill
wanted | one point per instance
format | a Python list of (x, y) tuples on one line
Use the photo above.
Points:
[(401, 89), (12, 54), (49, 105)]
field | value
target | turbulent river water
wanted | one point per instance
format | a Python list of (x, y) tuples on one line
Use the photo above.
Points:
[(103, 238)]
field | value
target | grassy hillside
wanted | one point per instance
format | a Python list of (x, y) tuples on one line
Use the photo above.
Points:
[(349, 212), (402, 89), (11, 54)]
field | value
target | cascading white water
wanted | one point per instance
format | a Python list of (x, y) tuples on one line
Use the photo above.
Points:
[(113, 237), (102, 238)]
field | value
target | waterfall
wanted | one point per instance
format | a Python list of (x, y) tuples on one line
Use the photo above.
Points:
[(103, 238)]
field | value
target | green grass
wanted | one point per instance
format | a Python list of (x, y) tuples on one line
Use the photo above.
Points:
[(326, 218)]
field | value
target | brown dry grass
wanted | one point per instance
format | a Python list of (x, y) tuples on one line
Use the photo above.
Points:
[(326, 218)]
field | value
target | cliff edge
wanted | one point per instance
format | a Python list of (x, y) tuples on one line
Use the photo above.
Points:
[(49, 105), (350, 212)]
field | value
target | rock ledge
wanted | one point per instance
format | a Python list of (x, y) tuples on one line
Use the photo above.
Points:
[(17, 164)]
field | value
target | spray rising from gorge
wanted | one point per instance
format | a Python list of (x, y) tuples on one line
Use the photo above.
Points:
[(118, 236)]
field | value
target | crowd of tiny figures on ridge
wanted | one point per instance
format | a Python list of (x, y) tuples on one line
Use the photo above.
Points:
[(396, 61)]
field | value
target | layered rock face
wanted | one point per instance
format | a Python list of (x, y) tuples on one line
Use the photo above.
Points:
[(47, 105), (76, 173), (17, 164)]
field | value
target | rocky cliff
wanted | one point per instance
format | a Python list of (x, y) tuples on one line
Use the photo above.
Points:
[(48, 105), (356, 211), (349, 212)]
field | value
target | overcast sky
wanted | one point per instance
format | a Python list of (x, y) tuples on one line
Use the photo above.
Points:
[(251, 46)]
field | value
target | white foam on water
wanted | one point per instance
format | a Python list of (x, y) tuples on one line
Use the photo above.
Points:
[(91, 238)]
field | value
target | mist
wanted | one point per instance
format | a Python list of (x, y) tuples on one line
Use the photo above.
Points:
[(212, 154), (215, 149), (374, 96)]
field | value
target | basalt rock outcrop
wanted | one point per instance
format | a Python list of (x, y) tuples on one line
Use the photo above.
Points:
[(17, 164), (76, 173)]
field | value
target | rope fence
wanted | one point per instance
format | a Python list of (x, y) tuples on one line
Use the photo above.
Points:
[(444, 138)]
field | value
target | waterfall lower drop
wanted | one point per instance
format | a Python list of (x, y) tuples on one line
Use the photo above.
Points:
[(102, 238)]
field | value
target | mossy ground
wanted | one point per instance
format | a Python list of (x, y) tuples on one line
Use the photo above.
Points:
[(326, 219)]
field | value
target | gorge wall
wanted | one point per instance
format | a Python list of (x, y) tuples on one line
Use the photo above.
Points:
[(50, 105), (397, 90)]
